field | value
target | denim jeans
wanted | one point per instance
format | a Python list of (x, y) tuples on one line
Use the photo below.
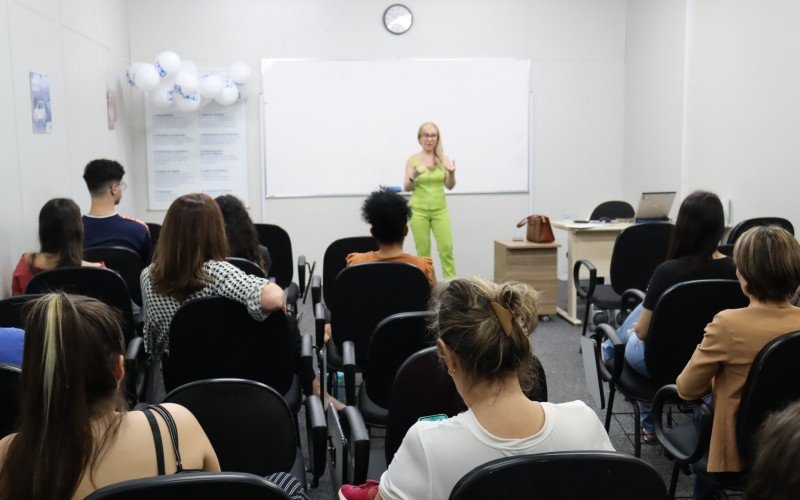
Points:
[(634, 355)]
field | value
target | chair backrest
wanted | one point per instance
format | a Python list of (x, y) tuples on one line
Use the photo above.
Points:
[(104, 285), (639, 249), (613, 210), (249, 424), (743, 226), (155, 232), (248, 266), (679, 322), (771, 385), (195, 485), (334, 260), (9, 398), (600, 475), (421, 388), (125, 262), (277, 241), (215, 337), (368, 293), (394, 340), (12, 310)]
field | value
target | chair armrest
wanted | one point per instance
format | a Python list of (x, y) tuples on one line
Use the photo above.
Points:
[(320, 318), (317, 432), (584, 292), (301, 273), (604, 331), (316, 289), (307, 363), (669, 394), (631, 298), (359, 440), (349, 358)]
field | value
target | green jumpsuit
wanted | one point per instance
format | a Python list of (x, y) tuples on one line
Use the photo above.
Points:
[(429, 213)]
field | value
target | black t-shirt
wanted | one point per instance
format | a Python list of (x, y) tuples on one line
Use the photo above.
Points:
[(676, 271)]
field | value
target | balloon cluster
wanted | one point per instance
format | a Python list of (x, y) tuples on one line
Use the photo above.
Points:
[(172, 82)]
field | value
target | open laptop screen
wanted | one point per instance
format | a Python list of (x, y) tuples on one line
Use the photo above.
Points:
[(655, 206)]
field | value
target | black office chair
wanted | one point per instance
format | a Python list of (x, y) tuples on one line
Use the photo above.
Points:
[(726, 249), (215, 337), (613, 210), (127, 263), (9, 398), (248, 423), (155, 232), (194, 485), (12, 310), (248, 266), (603, 475), (676, 328), (365, 295), (334, 262), (349, 456), (743, 226), (277, 241), (639, 249), (771, 384)]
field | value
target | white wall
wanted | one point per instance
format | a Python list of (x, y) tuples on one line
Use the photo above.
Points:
[(82, 45), (712, 101), (577, 52)]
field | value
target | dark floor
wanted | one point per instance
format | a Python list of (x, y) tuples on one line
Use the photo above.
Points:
[(556, 343)]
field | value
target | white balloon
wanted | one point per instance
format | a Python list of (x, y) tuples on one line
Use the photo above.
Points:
[(189, 67), (244, 91), (228, 95), (130, 73), (186, 83), (168, 64), (239, 72), (211, 85), (189, 103), (205, 102), (146, 77), (162, 96)]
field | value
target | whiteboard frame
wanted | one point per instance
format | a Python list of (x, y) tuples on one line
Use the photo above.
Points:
[(262, 102)]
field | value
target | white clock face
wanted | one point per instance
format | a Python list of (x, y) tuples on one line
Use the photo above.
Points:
[(397, 19)]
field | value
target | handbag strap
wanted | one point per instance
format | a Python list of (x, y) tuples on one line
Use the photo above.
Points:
[(522, 222)]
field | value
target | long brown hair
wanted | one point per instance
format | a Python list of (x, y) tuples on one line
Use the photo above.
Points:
[(699, 227), (193, 233), (61, 232), (72, 348), (242, 236)]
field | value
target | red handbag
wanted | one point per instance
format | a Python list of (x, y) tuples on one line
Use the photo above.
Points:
[(539, 229)]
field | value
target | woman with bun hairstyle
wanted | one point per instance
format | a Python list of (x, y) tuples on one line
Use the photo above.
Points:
[(483, 331)]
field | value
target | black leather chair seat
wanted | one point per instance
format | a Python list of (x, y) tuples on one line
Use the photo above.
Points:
[(299, 468), (605, 297), (294, 396), (634, 385), (374, 415)]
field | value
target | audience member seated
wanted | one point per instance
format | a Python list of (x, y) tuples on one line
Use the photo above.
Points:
[(387, 213), (483, 333), (774, 474), (189, 262), (61, 239), (692, 255), (103, 226), (768, 260), (12, 341), (242, 236)]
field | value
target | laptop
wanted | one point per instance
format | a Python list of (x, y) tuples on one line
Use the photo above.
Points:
[(655, 206)]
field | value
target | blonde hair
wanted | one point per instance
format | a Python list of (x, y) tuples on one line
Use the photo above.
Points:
[(438, 151), (768, 258), (467, 324)]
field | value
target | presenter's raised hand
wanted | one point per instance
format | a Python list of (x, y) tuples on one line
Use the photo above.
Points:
[(450, 165)]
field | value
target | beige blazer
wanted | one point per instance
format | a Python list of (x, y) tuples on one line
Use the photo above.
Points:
[(722, 360)]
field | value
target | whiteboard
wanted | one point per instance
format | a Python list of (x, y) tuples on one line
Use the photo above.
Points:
[(345, 127)]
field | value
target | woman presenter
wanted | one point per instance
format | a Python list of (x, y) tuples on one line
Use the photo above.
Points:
[(428, 172)]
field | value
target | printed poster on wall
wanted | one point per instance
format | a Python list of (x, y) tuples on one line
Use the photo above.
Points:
[(202, 151), (40, 103)]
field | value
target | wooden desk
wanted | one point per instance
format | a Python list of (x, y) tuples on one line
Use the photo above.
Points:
[(531, 263), (593, 241)]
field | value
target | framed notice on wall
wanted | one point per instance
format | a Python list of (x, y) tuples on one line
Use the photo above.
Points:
[(203, 151)]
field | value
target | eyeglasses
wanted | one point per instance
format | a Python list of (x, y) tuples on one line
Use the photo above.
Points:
[(430, 136)]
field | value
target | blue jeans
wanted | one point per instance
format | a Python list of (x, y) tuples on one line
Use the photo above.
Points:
[(634, 355)]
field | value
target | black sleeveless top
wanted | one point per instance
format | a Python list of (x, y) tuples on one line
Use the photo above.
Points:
[(173, 436)]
